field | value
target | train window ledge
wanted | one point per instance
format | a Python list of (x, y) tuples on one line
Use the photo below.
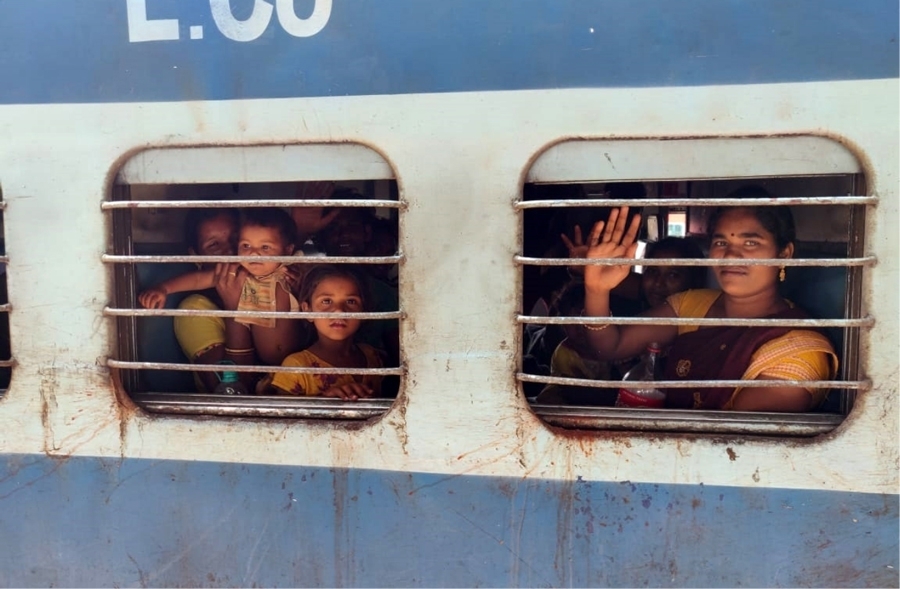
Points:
[(571, 184), (258, 406), (160, 201), (689, 421)]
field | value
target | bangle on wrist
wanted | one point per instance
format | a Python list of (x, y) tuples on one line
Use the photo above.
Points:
[(595, 327), (239, 352)]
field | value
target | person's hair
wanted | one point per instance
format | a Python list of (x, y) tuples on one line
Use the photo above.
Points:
[(196, 217), (569, 300), (365, 214), (321, 272), (777, 220), (681, 248), (385, 227), (271, 218)]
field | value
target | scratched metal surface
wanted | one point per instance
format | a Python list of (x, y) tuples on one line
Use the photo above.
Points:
[(143, 523)]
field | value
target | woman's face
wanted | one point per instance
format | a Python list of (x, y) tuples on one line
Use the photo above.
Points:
[(660, 282), (738, 235), (217, 236)]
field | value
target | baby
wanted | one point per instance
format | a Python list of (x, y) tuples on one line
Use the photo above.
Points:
[(266, 285)]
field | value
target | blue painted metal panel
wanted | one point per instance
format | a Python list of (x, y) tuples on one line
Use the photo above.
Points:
[(70, 51), (94, 522)]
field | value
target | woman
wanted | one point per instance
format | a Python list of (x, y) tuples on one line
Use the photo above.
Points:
[(208, 232), (727, 353)]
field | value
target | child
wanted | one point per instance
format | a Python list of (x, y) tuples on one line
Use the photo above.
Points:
[(265, 285), (332, 289)]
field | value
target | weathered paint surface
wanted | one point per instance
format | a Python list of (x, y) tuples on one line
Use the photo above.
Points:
[(467, 486), (109, 522)]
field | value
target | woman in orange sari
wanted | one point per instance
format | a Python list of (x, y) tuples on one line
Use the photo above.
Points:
[(721, 353)]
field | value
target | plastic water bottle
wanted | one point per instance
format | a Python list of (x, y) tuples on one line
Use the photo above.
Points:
[(632, 393), (230, 384)]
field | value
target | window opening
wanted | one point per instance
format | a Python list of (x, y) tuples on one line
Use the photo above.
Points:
[(268, 243), (6, 360), (569, 387)]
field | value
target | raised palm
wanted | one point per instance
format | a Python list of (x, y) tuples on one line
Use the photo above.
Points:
[(610, 239)]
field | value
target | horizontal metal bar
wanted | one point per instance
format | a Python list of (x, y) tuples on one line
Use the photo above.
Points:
[(867, 261), (861, 385), (11, 363), (253, 406), (371, 316), (5, 308), (700, 321), (254, 203), (697, 202), (4, 259), (2, 205), (180, 259), (689, 421), (112, 363)]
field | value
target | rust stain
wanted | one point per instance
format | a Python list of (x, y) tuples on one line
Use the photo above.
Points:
[(47, 390), (732, 455), (125, 408)]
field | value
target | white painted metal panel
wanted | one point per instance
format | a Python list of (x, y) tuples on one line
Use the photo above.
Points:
[(461, 411), (675, 159), (261, 163)]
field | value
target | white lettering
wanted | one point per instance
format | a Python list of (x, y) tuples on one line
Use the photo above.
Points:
[(303, 27), (241, 30), (142, 29)]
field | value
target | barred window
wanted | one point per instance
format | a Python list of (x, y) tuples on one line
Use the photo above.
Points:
[(6, 360), (676, 185), (218, 256)]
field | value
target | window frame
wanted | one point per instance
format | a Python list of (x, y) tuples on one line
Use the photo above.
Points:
[(587, 161), (180, 166)]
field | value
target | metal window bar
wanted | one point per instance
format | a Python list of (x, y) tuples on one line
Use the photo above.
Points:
[(697, 202), (256, 203), (177, 259), (860, 385), (129, 312), (700, 321), (863, 261), (129, 365)]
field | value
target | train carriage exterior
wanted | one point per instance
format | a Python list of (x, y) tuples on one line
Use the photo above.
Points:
[(460, 481)]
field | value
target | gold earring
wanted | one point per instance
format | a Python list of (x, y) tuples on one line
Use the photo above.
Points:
[(781, 275)]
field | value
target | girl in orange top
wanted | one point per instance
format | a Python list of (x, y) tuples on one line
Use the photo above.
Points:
[(331, 289)]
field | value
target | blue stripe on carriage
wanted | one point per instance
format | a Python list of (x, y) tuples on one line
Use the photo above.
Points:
[(55, 51), (111, 522)]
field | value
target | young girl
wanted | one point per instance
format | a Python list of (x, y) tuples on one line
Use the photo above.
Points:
[(332, 289), (261, 286)]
